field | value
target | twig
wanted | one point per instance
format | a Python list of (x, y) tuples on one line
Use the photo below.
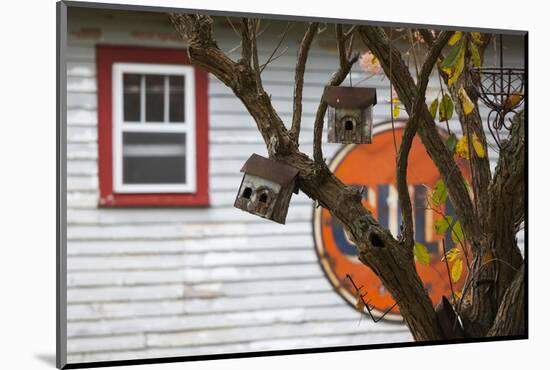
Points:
[(350, 32), (366, 304), (270, 59), (299, 79)]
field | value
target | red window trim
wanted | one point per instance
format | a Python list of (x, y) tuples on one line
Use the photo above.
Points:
[(106, 55)]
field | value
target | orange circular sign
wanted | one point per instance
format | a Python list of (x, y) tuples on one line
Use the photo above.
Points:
[(372, 166)]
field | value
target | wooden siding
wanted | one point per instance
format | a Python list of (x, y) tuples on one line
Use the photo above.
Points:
[(148, 283)]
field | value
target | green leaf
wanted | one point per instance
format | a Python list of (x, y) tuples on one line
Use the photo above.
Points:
[(421, 253), (446, 107), (433, 108), (456, 271), (456, 232), (452, 56), (442, 224), (474, 51), (440, 193), (451, 143)]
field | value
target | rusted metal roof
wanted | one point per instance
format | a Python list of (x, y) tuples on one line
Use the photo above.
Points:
[(270, 169), (349, 97)]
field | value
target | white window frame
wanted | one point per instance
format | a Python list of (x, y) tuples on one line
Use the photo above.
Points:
[(120, 126)]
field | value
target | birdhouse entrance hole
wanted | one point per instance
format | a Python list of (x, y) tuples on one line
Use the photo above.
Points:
[(247, 193), (263, 198), (349, 125)]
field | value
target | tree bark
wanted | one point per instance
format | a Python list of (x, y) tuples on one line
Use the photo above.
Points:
[(510, 318)]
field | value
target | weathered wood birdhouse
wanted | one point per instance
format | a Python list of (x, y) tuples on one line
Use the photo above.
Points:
[(266, 188), (349, 114)]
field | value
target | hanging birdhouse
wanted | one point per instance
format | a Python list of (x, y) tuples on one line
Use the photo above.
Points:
[(349, 114), (266, 188)]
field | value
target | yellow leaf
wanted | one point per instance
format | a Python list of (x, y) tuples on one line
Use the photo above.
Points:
[(455, 37), (456, 271), (396, 110), (467, 104), (476, 36), (512, 100), (457, 69), (478, 146), (476, 58), (451, 254), (458, 295), (461, 148)]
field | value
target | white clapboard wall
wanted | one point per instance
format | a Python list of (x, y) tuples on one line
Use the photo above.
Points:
[(146, 283)]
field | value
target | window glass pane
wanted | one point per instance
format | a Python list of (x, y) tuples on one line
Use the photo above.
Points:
[(177, 98), (154, 98), (153, 158), (132, 87)]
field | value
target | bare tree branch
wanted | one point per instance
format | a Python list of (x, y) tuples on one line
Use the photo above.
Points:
[(299, 79), (246, 43), (253, 25), (410, 132), (203, 51), (272, 57), (341, 45), (350, 32)]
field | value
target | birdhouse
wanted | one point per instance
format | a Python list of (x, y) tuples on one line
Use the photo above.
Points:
[(266, 188), (349, 114)]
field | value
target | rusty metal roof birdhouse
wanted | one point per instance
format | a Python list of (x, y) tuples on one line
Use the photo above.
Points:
[(349, 114), (266, 188)]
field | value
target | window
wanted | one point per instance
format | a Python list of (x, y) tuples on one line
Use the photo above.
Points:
[(153, 128)]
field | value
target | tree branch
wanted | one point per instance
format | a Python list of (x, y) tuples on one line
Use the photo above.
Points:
[(246, 44), (378, 43), (410, 132), (299, 79), (253, 25), (341, 48), (203, 51)]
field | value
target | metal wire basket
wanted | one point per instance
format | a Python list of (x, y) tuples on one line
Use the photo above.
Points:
[(502, 91)]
